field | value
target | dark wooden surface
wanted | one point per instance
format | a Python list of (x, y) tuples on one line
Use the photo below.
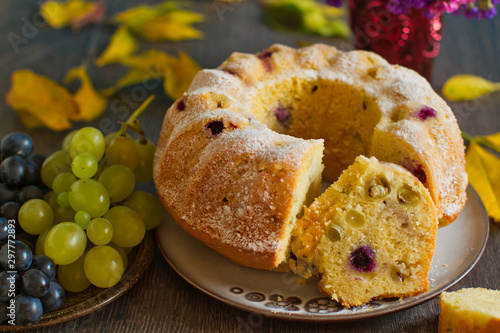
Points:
[(162, 301)]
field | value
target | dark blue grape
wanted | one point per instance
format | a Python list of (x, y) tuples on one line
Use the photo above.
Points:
[(22, 254), (10, 283), (13, 171), (9, 210), (36, 159), (35, 283), (17, 144), (32, 174), (54, 298), (46, 265), (4, 230), (6, 194), (26, 238), (29, 310), (29, 192)]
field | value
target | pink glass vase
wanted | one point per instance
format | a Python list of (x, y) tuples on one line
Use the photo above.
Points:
[(411, 40)]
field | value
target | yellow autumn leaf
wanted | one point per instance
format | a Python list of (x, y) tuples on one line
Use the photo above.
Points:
[(152, 60), (179, 76), (143, 13), (467, 87), (122, 45), (152, 64), (133, 77), (39, 101), (90, 102), (60, 14), (483, 169), (164, 28), (495, 139)]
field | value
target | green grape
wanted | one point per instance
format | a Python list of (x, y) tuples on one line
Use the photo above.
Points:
[(84, 165), (100, 231), (39, 250), (51, 198), (62, 199), (119, 181), (147, 206), (58, 162), (88, 140), (128, 227), (122, 150), (35, 215), (128, 250), (103, 266), (110, 137), (67, 140), (65, 243), (72, 276), (82, 218), (122, 253), (90, 196), (63, 181), (63, 214), (144, 171)]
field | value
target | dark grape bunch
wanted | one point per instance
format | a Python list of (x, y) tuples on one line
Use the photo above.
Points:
[(19, 174), (28, 289)]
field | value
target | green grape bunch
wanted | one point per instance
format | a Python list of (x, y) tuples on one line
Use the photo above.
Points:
[(93, 215)]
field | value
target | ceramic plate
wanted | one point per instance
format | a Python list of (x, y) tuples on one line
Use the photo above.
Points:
[(79, 304), (459, 246)]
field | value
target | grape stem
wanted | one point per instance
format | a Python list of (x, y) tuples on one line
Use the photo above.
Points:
[(132, 122)]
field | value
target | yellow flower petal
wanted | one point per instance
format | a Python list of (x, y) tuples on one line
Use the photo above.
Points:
[(483, 170), (91, 104), (122, 45), (180, 75), (59, 14), (467, 87), (39, 101)]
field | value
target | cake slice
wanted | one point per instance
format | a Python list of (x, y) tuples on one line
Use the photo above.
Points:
[(470, 310), (370, 235)]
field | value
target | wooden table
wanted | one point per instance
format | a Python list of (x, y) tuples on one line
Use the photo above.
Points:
[(162, 301)]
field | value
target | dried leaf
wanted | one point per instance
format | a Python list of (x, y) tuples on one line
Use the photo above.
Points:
[(165, 28), (61, 14), (468, 87), (122, 45), (52, 105), (179, 76), (91, 17), (140, 14), (306, 16), (91, 103), (133, 77), (483, 169), (152, 64)]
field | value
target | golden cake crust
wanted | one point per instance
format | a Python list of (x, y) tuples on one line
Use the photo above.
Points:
[(257, 96)]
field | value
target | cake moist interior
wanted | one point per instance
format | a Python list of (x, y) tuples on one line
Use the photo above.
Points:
[(341, 114)]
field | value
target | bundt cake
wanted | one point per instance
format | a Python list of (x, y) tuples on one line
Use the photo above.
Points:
[(370, 235), (470, 310), (240, 154)]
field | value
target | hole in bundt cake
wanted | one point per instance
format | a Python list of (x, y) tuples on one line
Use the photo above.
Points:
[(215, 127), (337, 112)]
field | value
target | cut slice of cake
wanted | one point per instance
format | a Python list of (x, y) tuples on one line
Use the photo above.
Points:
[(370, 235), (470, 310)]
